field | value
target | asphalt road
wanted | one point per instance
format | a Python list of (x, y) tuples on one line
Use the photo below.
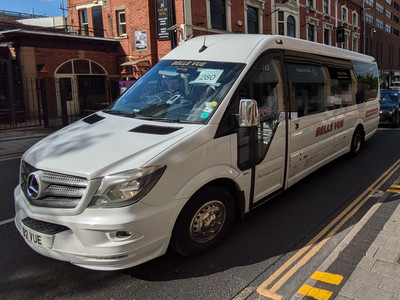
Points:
[(257, 246)]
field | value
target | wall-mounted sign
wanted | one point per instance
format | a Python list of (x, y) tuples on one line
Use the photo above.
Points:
[(141, 40), (163, 19)]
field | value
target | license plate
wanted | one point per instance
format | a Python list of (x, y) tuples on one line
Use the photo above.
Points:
[(40, 239)]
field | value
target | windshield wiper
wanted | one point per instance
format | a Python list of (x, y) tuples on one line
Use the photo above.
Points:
[(157, 119), (167, 120), (119, 112)]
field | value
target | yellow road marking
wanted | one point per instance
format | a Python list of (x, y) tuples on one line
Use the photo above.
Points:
[(393, 191), (354, 206), (316, 293), (327, 277)]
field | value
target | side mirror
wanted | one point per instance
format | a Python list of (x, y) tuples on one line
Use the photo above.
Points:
[(248, 113)]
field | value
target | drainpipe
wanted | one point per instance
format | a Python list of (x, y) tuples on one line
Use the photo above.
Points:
[(336, 19)]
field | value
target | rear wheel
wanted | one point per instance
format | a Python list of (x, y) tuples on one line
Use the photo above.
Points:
[(357, 141), (204, 221)]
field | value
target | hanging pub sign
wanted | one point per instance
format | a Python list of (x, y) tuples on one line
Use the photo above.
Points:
[(340, 34), (163, 19)]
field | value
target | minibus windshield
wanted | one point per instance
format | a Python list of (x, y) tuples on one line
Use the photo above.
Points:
[(178, 91)]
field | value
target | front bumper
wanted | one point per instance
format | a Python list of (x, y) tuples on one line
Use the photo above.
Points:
[(93, 238)]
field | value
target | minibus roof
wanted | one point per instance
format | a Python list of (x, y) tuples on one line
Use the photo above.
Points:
[(244, 48)]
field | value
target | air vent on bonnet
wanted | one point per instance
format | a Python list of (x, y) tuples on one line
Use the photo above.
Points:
[(93, 119), (151, 129)]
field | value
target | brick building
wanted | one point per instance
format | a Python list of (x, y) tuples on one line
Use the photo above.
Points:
[(381, 38), (53, 77), (148, 29)]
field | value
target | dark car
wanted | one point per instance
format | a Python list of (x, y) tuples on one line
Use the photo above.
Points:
[(389, 112)]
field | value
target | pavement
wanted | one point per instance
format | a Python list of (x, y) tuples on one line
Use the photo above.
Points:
[(364, 266), (14, 142)]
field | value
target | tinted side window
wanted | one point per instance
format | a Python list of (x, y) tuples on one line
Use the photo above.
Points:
[(307, 88), (342, 90), (367, 81)]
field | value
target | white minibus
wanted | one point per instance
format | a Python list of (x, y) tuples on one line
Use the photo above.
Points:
[(219, 126)]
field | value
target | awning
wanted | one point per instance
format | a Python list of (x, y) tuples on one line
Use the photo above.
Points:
[(134, 62)]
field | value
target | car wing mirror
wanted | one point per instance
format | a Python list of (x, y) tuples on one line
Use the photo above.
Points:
[(248, 113)]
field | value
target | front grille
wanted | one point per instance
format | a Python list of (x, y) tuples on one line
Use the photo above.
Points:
[(43, 227), (56, 190)]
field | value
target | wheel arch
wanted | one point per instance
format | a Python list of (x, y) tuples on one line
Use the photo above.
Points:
[(237, 195)]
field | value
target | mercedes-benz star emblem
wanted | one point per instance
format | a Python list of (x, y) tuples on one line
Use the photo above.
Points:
[(33, 186)]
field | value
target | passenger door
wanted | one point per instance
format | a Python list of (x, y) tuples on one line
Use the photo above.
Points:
[(263, 155)]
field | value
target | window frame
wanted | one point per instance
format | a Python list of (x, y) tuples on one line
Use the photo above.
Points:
[(121, 24), (256, 22), (354, 18), (83, 22), (326, 6), (379, 23), (379, 8), (345, 13), (311, 32), (214, 13)]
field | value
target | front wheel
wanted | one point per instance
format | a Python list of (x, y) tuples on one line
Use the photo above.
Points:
[(204, 221), (397, 122), (357, 142)]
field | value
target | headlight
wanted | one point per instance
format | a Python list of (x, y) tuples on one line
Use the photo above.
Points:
[(126, 188), (392, 111)]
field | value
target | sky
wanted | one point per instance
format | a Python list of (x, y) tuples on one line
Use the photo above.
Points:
[(38, 7)]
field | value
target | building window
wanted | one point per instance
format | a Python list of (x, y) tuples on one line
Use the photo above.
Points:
[(396, 6), (370, 2), (281, 23), (218, 14), (389, 1), (355, 44), (344, 14), (396, 32), (369, 18), (310, 32), (327, 36), (310, 3), (345, 44), (379, 8), (355, 19), (388, 14), (388, 28), (396, 19), (121, 22), (291, 26), (252, 19), (379, 23), (83, 22), (326, 6)]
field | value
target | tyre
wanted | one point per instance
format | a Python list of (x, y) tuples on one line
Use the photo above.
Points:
[(397, 122), (357, 141), (204, 221)]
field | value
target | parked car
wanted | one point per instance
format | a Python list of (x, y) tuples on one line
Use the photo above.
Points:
[(395, 85), (389, 109)]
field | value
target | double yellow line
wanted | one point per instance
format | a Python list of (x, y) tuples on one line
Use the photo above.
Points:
[(392, 187), (270, 287)]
